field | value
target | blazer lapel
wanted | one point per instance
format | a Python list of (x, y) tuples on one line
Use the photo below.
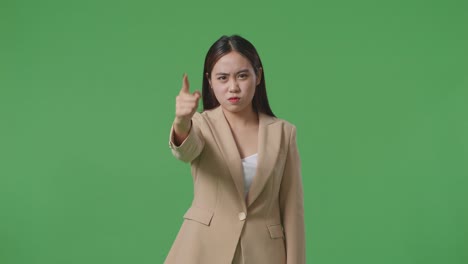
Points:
[(226, 143), (268, 150)]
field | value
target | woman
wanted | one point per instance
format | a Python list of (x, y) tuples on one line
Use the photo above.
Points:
[(248, 197)]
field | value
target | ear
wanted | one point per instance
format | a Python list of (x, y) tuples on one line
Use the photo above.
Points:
[(208, 78), (259, 75)]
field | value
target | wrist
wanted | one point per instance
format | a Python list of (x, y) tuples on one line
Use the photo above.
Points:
[(182, 124)]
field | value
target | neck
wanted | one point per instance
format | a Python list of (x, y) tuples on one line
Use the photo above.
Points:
[(246, 117)]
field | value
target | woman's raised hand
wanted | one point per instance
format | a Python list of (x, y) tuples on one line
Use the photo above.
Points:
[(186, 102), (186, 106)]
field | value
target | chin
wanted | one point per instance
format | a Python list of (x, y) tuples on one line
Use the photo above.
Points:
[(234, 108)]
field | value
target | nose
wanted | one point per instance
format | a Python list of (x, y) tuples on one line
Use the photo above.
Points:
[(234, 86)]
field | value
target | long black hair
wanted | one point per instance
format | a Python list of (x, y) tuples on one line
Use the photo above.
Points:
[(221, 47)]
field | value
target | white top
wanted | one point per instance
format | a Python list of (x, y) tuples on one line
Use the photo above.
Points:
[(249, 165)]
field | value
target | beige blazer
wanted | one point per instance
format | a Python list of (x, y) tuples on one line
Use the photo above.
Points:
[(269, 223)]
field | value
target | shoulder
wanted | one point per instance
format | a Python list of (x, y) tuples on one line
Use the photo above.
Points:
[(210, 113), (287, 126), (288, 130), (204, 116), (284, 122)]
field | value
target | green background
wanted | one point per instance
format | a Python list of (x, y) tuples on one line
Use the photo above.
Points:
[(378, 91)]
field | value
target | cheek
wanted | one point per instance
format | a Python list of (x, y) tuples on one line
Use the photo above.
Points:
[(218, 90), (249, 88), (218, 86)]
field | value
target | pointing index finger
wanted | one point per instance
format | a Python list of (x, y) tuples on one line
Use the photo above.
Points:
[(185, 84)]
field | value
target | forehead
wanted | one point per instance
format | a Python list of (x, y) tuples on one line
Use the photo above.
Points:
[(232, 62)]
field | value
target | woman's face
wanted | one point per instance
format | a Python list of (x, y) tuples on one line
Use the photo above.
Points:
[(233, 81)]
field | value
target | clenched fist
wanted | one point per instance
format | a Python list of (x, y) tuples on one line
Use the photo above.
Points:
[(186, 106)]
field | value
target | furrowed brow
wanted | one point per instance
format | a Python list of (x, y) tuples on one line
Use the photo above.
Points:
[(241, 71)]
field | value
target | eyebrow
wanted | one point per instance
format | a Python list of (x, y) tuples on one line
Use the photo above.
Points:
[(241, 71)]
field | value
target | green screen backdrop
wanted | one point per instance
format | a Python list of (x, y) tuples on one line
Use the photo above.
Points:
[(378, 91)]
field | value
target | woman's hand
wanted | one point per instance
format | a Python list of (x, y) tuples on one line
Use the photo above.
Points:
[(186, 106)]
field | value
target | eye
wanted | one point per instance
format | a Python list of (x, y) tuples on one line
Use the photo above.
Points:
[(222, 78), (243, 75)]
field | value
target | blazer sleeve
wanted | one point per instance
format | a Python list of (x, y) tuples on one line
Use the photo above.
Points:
[(192, 146), (292, 204)]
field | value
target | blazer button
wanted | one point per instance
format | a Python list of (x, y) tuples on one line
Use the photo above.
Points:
[(242, 216)]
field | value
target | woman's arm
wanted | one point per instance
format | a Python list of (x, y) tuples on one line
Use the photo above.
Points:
[(186, 141), (292, 204), (181, 130), (193, 143), (186, 107)]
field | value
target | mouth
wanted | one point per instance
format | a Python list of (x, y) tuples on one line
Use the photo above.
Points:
[(234, 100)]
